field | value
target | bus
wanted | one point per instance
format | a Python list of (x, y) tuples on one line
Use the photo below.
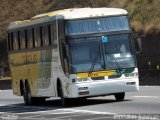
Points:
[(73, 53)]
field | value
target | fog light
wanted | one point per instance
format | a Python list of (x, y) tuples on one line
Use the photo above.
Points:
[(131, 83), (84, 93), (79, 79)]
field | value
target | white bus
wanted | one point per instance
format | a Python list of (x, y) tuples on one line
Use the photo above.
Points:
[(73, 53)]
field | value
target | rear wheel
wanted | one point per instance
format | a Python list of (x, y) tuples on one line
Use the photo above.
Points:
[(119, 96), (28, 99)]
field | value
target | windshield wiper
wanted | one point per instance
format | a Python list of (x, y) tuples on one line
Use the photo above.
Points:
[(94, 63), (117, 64)]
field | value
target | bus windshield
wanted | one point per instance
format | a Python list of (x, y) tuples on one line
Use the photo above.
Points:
[(96, 25), (116, 52), (82, 54)]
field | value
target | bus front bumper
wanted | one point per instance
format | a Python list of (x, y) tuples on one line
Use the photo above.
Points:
[(103, 87)]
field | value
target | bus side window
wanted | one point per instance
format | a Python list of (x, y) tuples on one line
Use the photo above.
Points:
[(22, 39), (11, 41), (19, 45), (49, 34), (66, 65), (45, 36), (41, 37), (54, 35), (15, 41), (29, 38), (37, 38), (26, 39), (33, 37)]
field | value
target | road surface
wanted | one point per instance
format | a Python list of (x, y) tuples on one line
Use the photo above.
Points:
[(138, 105)]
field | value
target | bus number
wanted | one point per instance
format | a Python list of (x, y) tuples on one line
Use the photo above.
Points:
[(93, 75)]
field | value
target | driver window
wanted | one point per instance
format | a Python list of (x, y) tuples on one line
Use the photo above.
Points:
[(123, 49)]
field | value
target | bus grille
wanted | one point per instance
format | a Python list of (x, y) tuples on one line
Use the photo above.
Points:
[(97, 78), (114, 76)]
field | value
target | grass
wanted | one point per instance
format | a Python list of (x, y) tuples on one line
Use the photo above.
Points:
[(144, 14)]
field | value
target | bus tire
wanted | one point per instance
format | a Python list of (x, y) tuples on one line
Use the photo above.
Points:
[(64, 100), (22, 88), (38, 100), (28, 99), (119, 96)]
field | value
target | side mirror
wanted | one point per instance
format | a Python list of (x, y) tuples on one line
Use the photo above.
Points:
[(138, 45)]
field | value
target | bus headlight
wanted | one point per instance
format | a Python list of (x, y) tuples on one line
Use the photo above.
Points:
[(135, 74), (79, 80), (85, 79)]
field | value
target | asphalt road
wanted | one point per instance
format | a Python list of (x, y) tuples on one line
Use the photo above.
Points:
[(144, 104)]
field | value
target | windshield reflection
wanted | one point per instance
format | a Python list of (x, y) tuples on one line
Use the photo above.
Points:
[(83, 53), (115, 53), (96, 25), (118, 51)]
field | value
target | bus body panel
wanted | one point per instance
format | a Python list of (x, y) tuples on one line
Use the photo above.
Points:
[(105, 87), (35, 68)]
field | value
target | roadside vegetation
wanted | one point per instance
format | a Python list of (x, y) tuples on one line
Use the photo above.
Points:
[(144, 14)]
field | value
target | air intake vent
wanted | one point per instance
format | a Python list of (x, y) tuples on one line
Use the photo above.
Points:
[(97, 78)]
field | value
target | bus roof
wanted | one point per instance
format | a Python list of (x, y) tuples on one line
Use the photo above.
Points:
[(74, 13)]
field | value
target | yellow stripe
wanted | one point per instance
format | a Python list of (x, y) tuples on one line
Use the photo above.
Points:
[(96, 74)]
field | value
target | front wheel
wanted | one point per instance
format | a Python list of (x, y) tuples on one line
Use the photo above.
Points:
[(64, 100), (119, 96)]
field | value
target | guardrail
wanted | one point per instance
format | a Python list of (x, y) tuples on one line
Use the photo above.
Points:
[(5, 84), (149, 77)]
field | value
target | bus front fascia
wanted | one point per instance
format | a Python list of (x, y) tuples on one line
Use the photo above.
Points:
[(64, 38)]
